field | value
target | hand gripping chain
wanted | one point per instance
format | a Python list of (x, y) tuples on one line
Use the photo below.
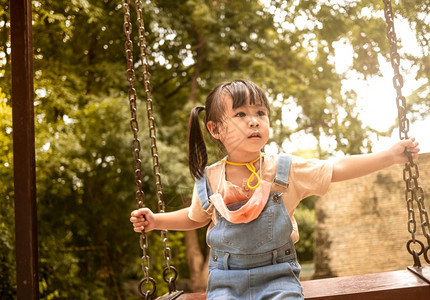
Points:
[(149, 292), (413, 192)]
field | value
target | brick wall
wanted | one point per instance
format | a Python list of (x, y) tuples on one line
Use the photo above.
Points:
[(361, 224)]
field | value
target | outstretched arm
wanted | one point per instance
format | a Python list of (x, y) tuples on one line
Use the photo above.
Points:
[(177, 220), (359, 165)]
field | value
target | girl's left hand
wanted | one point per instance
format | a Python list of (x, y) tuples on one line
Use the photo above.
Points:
[(409, 145)]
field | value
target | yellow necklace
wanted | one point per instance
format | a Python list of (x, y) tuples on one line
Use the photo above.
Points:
[(251, 167)]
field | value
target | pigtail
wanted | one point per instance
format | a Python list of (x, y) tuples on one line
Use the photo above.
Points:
[(197, 153)]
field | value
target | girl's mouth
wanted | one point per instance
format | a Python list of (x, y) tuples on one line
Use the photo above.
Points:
[(254, 135)]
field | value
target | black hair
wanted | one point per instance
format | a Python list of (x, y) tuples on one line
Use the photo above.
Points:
[(241, 92)]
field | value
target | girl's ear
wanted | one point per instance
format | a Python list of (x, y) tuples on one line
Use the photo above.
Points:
[(213, 129)]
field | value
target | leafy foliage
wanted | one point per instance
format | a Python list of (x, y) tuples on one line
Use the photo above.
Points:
[(7, 228), (85, 180), (305, 216)]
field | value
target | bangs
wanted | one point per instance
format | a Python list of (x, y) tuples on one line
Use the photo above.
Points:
[(243, 92)]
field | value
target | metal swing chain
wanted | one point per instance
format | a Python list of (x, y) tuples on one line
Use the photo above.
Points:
[(154, 150), (413, 191), (132, 97), (144, 244)]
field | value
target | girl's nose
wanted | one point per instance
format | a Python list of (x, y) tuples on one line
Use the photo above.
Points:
[(253, 122)]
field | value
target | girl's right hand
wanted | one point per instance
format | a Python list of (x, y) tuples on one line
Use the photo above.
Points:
[(143, 218)]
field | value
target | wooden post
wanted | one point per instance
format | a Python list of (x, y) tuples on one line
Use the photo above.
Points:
[(24, 150)]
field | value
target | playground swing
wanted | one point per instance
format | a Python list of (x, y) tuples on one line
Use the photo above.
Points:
[(413, 192), (170, 273)]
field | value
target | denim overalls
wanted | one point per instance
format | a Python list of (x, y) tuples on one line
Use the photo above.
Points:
[(254, 260)]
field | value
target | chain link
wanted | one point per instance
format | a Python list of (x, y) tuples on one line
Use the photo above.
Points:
[(151, 125), (152, 132), (149, 293), (140, 200), (150, 112), (413, 192)]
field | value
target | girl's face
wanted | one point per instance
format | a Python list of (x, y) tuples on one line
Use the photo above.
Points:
[(244, 130)]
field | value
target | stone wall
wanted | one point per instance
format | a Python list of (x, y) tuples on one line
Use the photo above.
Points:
[(361, 224)]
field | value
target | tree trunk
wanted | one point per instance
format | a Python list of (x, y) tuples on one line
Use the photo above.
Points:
[(200, 42), (197, 263)]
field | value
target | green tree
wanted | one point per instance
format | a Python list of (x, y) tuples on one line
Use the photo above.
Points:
[(85, 180), (416, 12), (7, 228)]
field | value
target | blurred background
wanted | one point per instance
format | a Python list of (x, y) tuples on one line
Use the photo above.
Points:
[(324, 65)]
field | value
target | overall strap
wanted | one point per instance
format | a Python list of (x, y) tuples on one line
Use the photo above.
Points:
[(283, 170), (203, 191)]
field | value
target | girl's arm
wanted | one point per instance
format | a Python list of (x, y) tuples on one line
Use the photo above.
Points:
[(177, 220), (359, 165)]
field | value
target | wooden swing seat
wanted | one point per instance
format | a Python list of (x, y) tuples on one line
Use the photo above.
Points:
[(395, 285)]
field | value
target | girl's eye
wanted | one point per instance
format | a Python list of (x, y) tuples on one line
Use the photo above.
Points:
[(240, 114), (261, 113)]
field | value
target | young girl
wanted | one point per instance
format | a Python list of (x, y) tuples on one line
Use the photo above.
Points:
[(250, 197)]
